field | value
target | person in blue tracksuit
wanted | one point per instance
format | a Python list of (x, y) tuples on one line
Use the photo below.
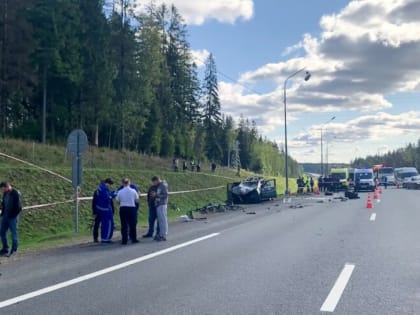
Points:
[(104, 208)]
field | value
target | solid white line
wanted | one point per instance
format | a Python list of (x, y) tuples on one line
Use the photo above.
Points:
[(101, 272), (373, 217), (337, 290)]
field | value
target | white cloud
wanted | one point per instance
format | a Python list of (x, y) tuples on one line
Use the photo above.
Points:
[(375, 126), (368, 134), (363, 53), (200, 56), (198, 11)]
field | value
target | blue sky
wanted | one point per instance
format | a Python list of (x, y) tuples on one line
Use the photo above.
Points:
[(362, 56)]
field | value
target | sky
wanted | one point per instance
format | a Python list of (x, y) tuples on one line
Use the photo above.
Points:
[(363, 56)]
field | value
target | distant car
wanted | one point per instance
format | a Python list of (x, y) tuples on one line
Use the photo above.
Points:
[(413, 183), (252, 190)]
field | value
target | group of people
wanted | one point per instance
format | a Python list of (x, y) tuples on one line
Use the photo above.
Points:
[(307, 183), (195, 166), (127, 196), (328, 184)]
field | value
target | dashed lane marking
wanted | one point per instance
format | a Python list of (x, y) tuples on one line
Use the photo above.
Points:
[(337, 290), (373, 217)]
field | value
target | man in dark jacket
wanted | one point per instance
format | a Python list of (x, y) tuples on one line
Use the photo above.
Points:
[(152, 212), (96, 217), (161, 203), (11, 206)]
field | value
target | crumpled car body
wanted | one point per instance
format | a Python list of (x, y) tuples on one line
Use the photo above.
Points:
[(252, 190)]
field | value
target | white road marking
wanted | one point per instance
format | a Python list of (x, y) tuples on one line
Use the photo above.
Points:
[(337, 290), (101, 272), (373, 217)]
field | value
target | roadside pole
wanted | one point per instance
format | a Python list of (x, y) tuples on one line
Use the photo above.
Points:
[(77, 144)]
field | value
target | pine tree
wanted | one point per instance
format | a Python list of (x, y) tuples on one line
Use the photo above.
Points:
[(212, 111), (96, 90), (150, 59), (17, 77)]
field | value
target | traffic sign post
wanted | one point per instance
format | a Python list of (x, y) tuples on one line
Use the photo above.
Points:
[(77, 144)]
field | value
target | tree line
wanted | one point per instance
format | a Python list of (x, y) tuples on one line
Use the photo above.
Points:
[(408, 156), (127, 78)]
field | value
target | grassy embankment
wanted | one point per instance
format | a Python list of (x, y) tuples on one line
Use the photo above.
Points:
[(54, 225)]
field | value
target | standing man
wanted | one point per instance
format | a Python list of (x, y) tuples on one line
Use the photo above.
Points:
[(213, 167), (312, 183), (151, 199), (161, 203), (96, 217), (11, 206), (385, 181), (321, 183), (127, 198), (132, 186), (105, 210)]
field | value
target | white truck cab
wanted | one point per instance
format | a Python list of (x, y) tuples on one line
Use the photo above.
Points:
[(364, 179)]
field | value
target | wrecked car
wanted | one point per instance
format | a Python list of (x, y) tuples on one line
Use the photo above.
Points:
[(252, 190)]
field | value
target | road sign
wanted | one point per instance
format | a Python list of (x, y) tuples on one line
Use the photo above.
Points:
[(77, 142)]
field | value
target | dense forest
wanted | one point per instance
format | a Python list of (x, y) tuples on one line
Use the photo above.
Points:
[(125, 76), (404, 157)]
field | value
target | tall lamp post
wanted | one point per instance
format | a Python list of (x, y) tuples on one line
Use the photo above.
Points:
[(286, 166), (328, 152), (322, 144)]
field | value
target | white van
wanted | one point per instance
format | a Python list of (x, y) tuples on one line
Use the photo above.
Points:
[(403, 175), (364, 179)]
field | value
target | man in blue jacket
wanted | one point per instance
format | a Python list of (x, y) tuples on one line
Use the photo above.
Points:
[(103, 206)]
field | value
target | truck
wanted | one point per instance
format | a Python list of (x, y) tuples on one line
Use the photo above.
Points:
[(342, 175), (384, 174), (364, 179)]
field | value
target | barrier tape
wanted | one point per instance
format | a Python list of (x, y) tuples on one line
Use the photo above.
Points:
[(47, 205), (90, 198), (36, 166)]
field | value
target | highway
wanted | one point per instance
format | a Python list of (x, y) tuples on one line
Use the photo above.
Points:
[(334, 257)]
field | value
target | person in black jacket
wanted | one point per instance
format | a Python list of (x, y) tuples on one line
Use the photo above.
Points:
[(11, 206), (96, 218), (152, 212)]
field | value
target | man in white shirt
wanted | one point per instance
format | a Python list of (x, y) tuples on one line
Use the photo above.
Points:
[(127, 198)]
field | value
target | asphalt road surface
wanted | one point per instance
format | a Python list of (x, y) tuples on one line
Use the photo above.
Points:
[(335, 257)]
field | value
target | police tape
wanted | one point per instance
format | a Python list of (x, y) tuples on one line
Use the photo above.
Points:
[(36, 166), (46, 205)]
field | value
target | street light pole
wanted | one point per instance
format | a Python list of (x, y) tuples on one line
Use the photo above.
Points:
[(328, 152), (286, 164), (322, 151), (322, 144)]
